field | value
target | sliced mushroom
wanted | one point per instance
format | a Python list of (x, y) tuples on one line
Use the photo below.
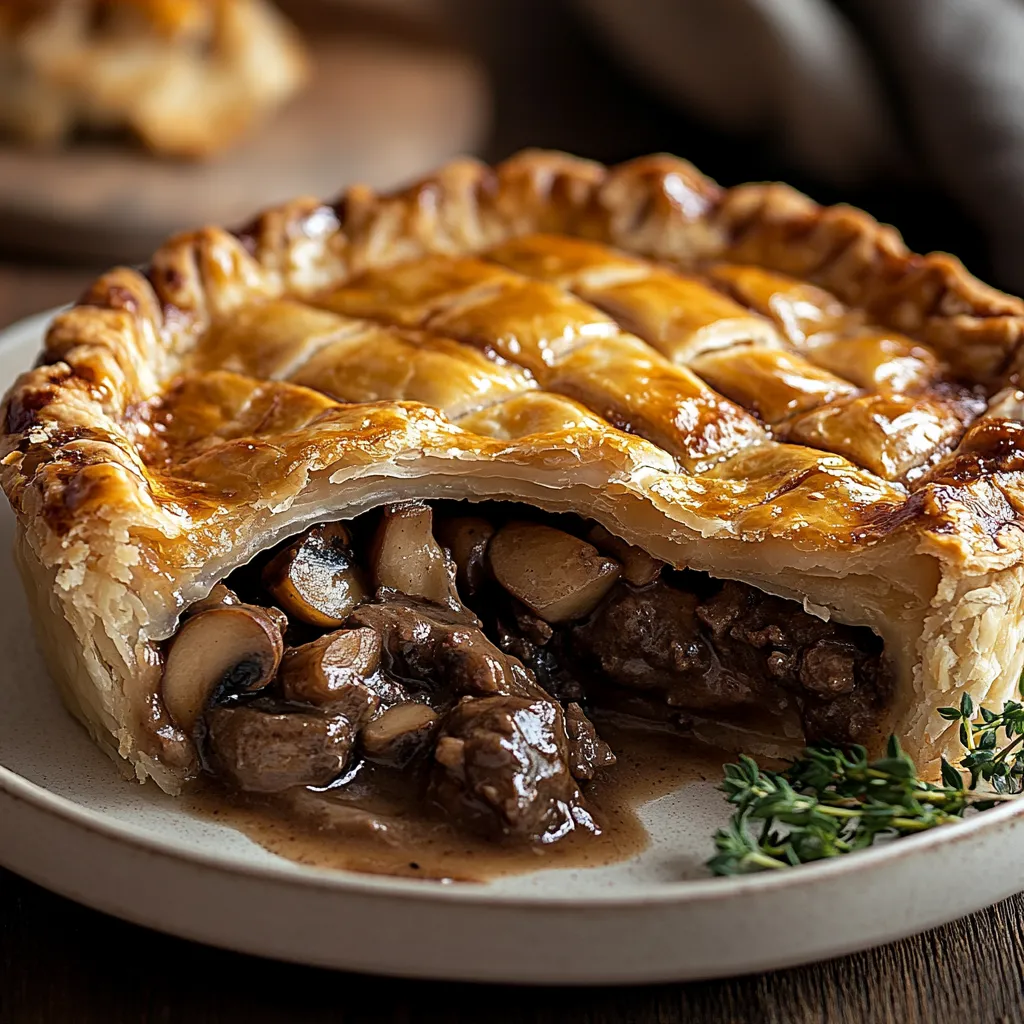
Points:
[(334, 671), (234, 648), (557, 576), (451, 753), (316, 578), (407, 558), (397, 735), (638, 567), (467, 537), (266, 752)]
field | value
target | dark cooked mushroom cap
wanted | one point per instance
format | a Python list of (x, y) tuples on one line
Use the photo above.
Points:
[(316, 578), (231, 648)]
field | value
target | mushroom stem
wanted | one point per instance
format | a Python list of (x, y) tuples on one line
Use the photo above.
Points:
[(407, 558), (638, 567), (467, 537)]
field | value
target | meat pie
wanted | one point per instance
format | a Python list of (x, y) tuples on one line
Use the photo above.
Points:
[(406, 489)]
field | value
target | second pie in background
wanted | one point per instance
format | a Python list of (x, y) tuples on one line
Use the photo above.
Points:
[(266, 102)]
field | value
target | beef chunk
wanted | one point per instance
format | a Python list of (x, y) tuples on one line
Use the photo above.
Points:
[(651, 639), (266, 750), (736, 648), (502, 768), (444, 652), (538, 646), (587, 751), (502, 751)]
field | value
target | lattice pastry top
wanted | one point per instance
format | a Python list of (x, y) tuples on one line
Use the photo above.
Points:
[(738, 381)]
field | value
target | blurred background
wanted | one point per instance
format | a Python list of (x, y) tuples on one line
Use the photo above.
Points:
[(912, 109)]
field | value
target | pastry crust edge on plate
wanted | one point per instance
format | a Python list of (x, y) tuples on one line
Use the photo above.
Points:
[(110, 550)]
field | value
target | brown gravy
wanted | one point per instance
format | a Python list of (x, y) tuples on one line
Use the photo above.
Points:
[(368, 826)]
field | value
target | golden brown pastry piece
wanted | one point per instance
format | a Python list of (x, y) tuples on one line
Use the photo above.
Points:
[(739, 382), (187, 77)]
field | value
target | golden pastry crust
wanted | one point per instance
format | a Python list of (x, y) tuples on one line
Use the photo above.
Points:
[(739, 381), (188, 77)]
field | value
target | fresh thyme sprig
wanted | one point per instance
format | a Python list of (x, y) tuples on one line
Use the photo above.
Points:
[(831, 801), (1001, 767)]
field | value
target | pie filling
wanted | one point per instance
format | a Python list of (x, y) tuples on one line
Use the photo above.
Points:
[(460, 651)]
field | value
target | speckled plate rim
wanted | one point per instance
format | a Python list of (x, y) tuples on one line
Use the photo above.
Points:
[(632, 933)]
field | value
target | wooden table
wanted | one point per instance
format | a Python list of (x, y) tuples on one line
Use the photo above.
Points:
[(63, 964)]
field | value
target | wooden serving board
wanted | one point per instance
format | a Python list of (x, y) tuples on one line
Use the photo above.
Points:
[(379, 110)]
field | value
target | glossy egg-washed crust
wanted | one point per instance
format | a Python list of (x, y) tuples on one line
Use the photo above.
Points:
[(812, 409)]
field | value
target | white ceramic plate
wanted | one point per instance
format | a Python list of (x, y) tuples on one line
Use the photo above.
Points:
[(68, 822)]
